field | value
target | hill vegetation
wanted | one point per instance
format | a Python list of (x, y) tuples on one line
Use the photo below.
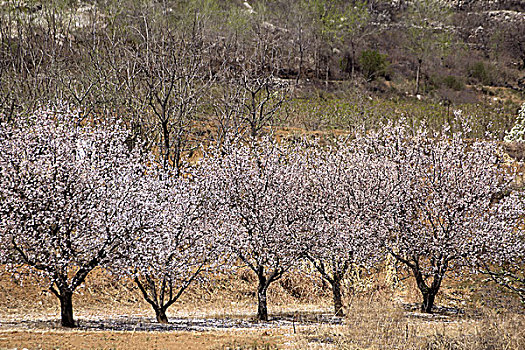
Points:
[(222, 62)]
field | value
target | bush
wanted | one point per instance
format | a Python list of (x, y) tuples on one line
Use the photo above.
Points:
[(432, 83), (481, 73), (373, 64), (453, 82)]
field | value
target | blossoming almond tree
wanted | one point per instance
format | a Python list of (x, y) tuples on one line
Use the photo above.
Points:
[(259, 186), (444, 210), (502, 255), (67, 198), (349, 189), (178, 245)]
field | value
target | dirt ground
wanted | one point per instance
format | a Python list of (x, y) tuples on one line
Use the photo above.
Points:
[(56, 339)]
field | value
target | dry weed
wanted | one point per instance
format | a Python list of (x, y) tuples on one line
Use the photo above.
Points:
[(374, 322)]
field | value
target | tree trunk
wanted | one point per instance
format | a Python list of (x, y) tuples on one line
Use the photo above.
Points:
[(262, 288), (352, 60), (300, 71), (262, 309), (317, 63), (66, 309), (160, 314), (428, 293), (338, 302), (418, 71), (166, 137), (428, 300), (327, 71)]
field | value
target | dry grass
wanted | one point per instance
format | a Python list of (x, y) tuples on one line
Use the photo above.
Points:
[(376, 323), (378, 318), (222, 296)]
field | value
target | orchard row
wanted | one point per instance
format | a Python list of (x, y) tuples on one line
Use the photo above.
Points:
[(76, 195)]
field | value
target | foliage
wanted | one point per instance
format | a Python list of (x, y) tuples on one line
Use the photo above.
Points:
[(453, 82), (373, 64), (78, 190), (178, 245), (481, 73), (340, 20), (348, 186), (426, 32), (354, 109), (259, 190), (452, 204), (79, 194), (509, 275)]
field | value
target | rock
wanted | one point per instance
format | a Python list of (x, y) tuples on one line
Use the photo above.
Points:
[(248, 7)]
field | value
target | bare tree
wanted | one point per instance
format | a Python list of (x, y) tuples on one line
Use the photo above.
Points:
[(175, 81)]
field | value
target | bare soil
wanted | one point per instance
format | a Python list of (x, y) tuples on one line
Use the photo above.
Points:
[(61, 339)]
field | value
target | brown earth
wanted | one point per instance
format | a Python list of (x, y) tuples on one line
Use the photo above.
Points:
[(63, 339)]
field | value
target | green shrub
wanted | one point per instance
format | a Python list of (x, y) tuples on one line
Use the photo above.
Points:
[(481, 73), (373, 64), (432, 83), (453, 82)]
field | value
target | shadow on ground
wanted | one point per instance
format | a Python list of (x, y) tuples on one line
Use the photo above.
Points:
[(135, 323)]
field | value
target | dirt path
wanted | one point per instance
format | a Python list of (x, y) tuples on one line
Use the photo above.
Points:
[(77, 339)]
